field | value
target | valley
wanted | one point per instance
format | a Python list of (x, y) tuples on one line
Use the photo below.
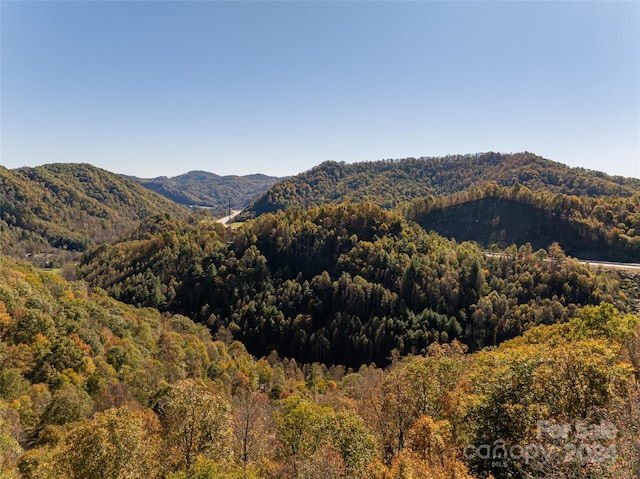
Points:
[(319, 240)]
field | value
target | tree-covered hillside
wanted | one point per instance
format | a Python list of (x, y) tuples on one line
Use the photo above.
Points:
[(393, 182), (59, 208), (201, 188), (596, 228), (94, 388), (344, 284)]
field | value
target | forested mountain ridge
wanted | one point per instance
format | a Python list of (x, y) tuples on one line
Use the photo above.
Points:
[(59, 208), (597, 228), (390, 183), (201, 188), (67, 207), (343, 284)]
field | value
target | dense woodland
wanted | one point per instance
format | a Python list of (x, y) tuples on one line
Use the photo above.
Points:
[(392, 183), (604, 227), (336, 335), (94, 388), (202, 188), (50, 212), (344, 284)]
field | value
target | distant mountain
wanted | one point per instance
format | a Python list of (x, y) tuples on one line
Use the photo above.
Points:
[(390, 183), (61, 208), (201, 188)]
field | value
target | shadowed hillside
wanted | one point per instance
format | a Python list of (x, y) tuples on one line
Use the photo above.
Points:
[(601, 228)]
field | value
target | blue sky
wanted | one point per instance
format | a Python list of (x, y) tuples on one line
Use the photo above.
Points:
[(160, 88)]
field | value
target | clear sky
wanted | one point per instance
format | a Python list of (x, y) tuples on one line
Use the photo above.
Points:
[(163, 87)]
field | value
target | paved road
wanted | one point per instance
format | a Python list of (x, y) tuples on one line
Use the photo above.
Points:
[(226, 219), (611, 265), (592, 263)]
